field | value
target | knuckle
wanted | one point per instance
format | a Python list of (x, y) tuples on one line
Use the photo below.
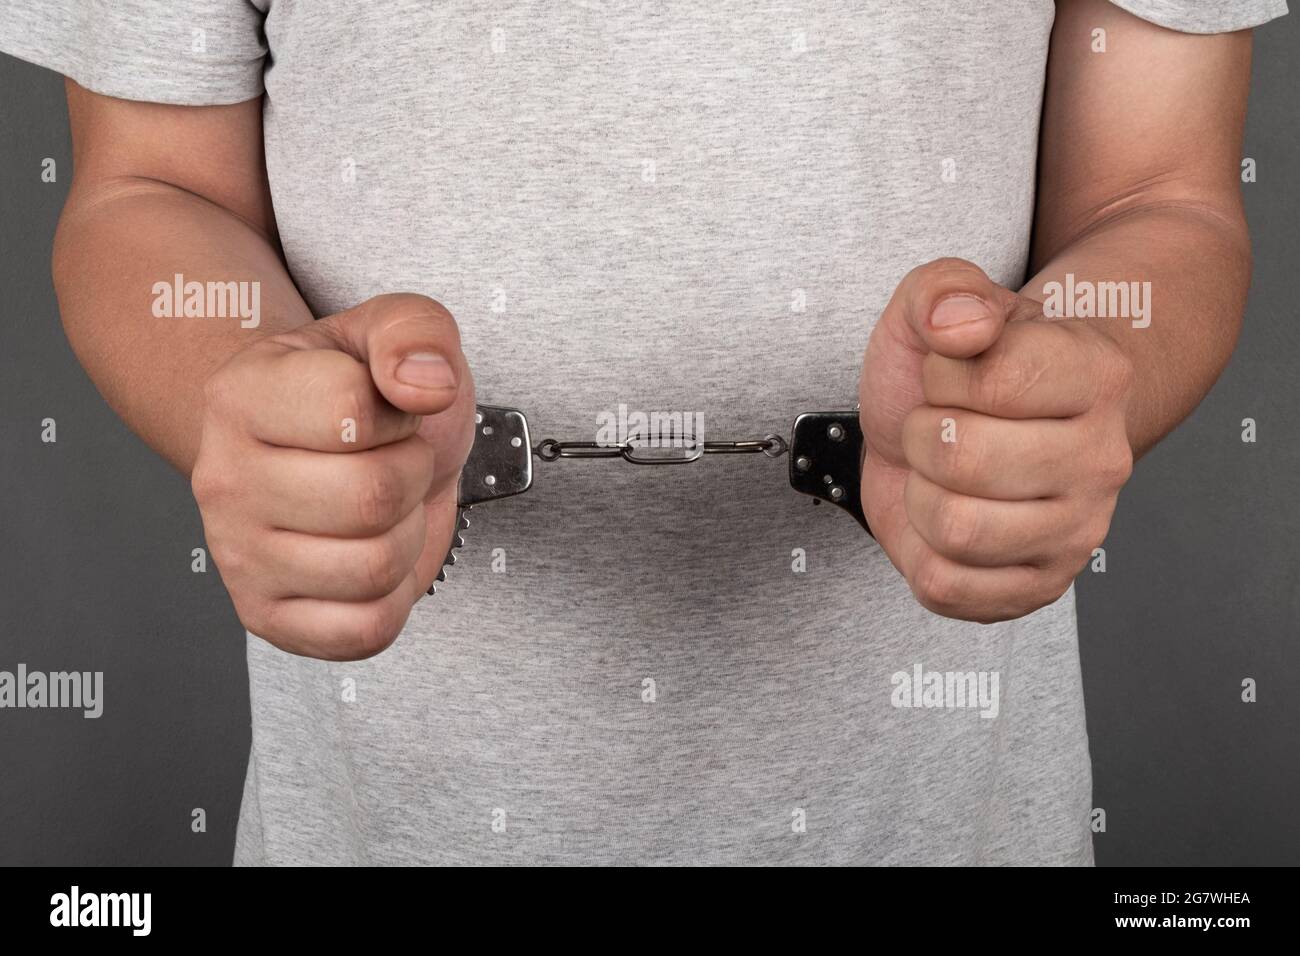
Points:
[(374, 633), (257, 616), (935, 587), (409, 302), (384, 566), (944, 273), (208, 484), (1115, 466), (221, 392), (233, 562), (1049, 591), (1005, 377), (953, 265), (1089, 537), (938, 448), (354, 404), (406, 306), (918, 273), (966, 454), (379, 498), (956, 525)]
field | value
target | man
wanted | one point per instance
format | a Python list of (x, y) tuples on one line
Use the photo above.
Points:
[(709, 208)]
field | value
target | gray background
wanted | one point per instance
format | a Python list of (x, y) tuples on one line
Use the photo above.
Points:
[(1200, 593)]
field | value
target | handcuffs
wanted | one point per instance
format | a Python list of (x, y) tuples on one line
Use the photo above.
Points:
[(825, 451)]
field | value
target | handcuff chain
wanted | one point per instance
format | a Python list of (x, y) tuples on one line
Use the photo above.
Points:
[(550, 449)]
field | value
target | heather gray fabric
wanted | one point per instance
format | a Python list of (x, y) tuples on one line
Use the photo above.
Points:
[(689, 207)]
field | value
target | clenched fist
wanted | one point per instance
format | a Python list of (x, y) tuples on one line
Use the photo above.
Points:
[(995, 443), (327, 469)]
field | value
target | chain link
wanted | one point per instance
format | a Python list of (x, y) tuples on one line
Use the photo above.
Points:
[(549, 449)]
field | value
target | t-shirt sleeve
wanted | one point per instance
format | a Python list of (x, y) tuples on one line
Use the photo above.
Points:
[(183, 52), (1205, 16)]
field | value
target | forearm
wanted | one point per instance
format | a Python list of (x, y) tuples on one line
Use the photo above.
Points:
[(1197, 262), (115, 242)]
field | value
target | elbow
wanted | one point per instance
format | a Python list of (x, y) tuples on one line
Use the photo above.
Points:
[(1240, 267), (63, 266), (72, 270)]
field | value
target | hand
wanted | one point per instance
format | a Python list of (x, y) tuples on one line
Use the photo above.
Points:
[(327, 471), (996, 443)]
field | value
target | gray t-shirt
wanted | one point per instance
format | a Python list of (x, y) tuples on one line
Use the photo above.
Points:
[(696, 207)]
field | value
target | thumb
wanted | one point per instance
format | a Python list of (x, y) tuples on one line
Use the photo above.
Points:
[(950, 307), (411, 344)]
